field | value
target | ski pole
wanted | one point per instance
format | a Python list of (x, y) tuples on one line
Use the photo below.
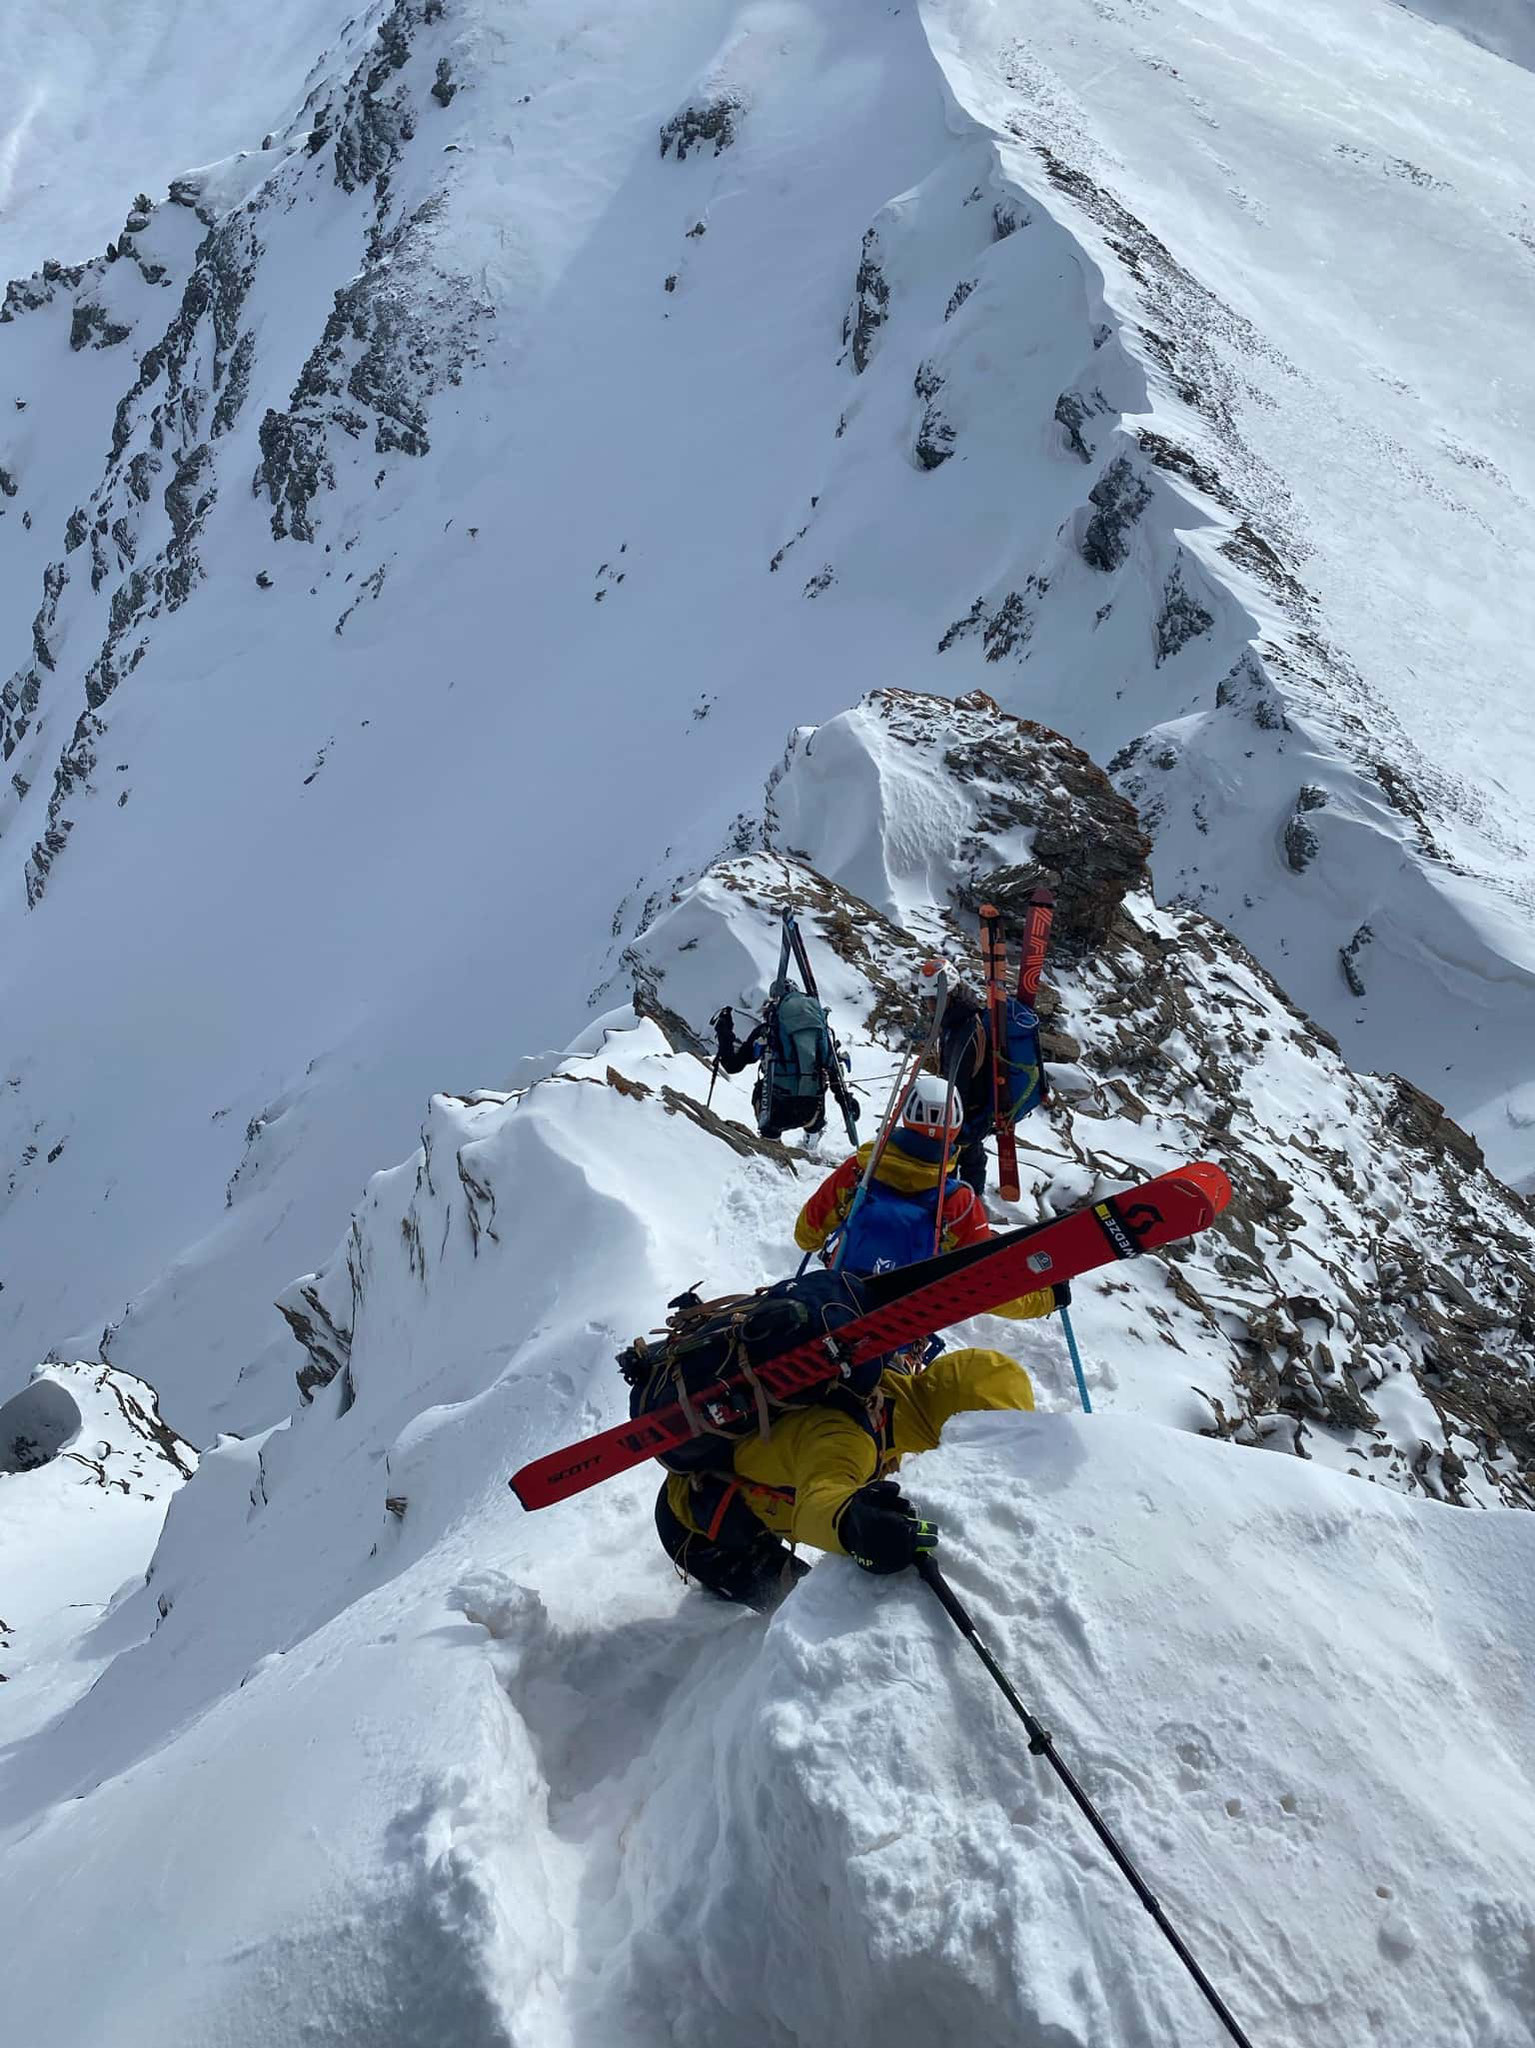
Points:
[(950, 1082), (1076, 1358), (1042, 1743)]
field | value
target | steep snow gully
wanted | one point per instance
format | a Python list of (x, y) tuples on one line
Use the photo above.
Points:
[(424, 529)]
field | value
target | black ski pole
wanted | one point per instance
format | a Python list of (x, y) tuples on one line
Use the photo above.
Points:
[(1042, 1743), (714, 1071)]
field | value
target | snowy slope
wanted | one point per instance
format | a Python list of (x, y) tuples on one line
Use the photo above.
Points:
[(499, 1778), (340, 828)]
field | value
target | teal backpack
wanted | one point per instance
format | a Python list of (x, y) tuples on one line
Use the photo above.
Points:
[(799, 1050)]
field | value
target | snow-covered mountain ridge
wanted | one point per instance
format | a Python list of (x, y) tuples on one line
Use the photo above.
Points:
[(501, 1779), (418, 534)]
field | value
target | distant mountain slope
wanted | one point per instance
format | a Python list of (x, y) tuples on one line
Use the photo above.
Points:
[(1506, 28), (1314, 229), (98, 101)]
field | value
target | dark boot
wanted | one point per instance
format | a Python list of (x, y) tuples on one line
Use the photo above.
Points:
[(756, 1573), (971, 1164)]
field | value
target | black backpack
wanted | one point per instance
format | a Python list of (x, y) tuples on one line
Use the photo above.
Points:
[(706, 1339)]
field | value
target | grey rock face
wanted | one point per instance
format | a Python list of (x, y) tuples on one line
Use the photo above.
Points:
[(871, 303), (1182, 617), (935, 438), (1120, 496), (388, 347), (1301, 846), (1349, 957), (1248, 688), (1004, 628), (92, 327), (1073, 411), (714, 121)]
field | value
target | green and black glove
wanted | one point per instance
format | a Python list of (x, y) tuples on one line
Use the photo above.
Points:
[(882, 1532)]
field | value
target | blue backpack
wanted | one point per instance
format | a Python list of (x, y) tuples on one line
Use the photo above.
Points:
[(1023, 1072), (892, 1229)]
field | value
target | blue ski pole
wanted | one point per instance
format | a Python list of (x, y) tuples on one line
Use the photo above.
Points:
[(1076, 1358)]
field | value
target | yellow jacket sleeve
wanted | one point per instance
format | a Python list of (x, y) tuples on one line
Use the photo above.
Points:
[(1040, 1303), (954, 1384), (825, 1457)]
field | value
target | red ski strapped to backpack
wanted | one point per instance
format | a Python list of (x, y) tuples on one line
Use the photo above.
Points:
[(905, 1306)]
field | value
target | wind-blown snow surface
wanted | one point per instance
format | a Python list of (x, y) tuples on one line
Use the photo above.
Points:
[(424, 527)]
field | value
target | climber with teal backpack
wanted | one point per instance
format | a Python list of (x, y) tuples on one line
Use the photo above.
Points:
[(799, 1058)]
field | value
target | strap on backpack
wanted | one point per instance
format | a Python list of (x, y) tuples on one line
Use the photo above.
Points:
[(688, 1312)]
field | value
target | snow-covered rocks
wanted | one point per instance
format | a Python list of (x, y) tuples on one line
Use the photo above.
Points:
[(434, 347), (87, 1470)]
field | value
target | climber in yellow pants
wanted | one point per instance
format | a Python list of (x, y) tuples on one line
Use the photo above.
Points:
[(823, 1478)]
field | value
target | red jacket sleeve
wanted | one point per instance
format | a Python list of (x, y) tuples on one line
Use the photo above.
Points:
[(964, 1219), (827, 1206)]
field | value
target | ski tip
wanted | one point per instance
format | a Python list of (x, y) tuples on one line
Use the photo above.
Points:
[(1209, 1181)]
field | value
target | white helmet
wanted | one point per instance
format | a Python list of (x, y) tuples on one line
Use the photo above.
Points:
[(932, 1108), (931, 976)]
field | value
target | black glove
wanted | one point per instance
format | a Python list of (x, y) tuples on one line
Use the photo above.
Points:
[(724, 1030), (1062, 1293), (881, 1530)]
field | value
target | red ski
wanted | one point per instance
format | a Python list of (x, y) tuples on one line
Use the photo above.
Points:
[(994, 964), (1036, 941), (904, 1306), (1031, 964)]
